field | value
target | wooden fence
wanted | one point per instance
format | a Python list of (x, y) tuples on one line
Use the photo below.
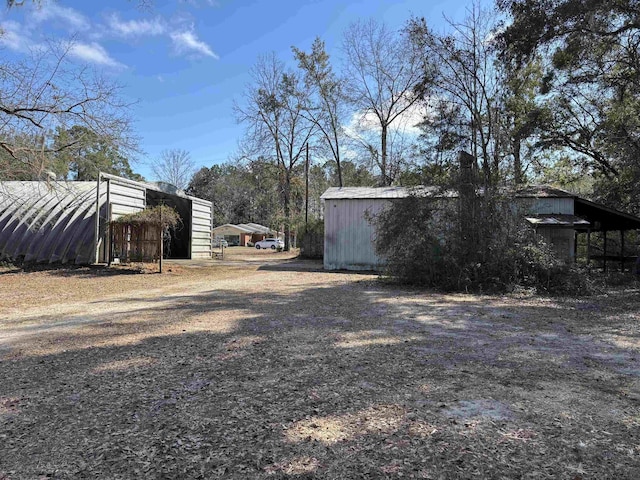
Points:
[(135, 242)]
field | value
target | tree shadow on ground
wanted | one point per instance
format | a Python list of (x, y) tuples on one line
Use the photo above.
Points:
[(345, 380), (67, 270), (295, 264)]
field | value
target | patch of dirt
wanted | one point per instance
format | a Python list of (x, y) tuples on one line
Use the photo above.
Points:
[(259, 369)]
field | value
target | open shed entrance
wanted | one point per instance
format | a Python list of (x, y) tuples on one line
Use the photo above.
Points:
[(179, 245), (611, 237)]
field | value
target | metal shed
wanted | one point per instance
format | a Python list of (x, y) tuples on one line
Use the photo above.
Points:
[(348, 232), (57, 222), (556, 214)]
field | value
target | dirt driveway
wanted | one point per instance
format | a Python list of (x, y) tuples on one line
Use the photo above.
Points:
[(271, 369)]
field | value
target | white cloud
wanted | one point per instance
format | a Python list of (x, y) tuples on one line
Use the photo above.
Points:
[(136, 28), (406, 123), (53, 11), (93, 53), (14, 37), (187, 42)]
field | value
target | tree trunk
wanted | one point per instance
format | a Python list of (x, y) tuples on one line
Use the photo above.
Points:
[(339, 168), (518, 174), (467, 204), (287, 211), (383, 156)]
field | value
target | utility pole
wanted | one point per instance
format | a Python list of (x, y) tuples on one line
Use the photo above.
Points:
[(161, 240), (306, 192)]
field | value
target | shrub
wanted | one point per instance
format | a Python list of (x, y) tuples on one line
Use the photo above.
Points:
[(430, 242), (311, 239), (151, 216)]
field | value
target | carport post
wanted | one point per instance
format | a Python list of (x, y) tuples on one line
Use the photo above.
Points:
[(588, 247), (161, 235), (622, 251), (97, 226), (604, 266)]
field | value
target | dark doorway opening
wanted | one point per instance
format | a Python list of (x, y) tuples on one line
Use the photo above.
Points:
[(179, 245)]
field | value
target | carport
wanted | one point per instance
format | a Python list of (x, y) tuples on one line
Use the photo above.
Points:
[(613, 226)]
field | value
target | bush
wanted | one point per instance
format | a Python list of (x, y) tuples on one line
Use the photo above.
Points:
[(430, 242), (311, 239)]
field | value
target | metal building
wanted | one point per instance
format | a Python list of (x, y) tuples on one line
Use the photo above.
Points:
[(556, 214), (348, 231), (57, 222)]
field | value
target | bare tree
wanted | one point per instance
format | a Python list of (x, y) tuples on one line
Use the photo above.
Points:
[(326, 109), (175, 167), (466, 81), (273, 111), (45, 92), (383, 71)]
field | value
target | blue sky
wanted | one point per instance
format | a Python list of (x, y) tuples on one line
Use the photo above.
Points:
[(185, 61)]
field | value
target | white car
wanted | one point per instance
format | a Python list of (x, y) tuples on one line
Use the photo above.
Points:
[(219, 242), (272, 243)]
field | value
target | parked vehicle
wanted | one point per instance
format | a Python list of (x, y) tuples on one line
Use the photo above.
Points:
[(220, 242), (272, 243)]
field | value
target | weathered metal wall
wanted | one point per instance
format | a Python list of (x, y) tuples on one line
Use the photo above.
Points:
[(201, 225), (548, 205), (56, 222), (561, 240), (49, 221), (349, 234), (125, 198)]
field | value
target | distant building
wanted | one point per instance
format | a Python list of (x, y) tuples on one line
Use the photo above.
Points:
[(243, 233)]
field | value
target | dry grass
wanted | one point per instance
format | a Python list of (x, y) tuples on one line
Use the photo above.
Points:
[(250, 371)]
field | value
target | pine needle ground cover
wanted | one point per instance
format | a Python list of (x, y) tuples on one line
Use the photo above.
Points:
[(251, 372)]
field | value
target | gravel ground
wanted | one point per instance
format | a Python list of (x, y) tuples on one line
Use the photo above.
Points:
[(264, 367)]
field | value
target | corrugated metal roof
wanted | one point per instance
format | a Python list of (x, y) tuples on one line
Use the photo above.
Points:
[(335, 193), (530, 191), (48, 221), (557, 220), (541, 191), (257, 228), (242, 228)]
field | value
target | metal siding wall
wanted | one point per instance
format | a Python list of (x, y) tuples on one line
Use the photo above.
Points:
[(561, 240), (201, 224), (125, 198), (49, 222), (349, 236), (550, 205)]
